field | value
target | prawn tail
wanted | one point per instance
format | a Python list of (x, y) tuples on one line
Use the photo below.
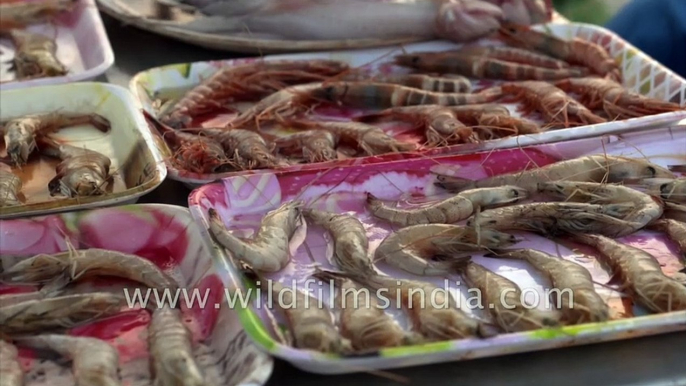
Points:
[(453, 184)]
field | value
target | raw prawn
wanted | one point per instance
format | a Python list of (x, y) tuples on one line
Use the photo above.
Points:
[(676, 230), (481, 67), (281, 104), (640, 274), (556, 106), (581, 304), (512, 54), (575, 51), (20, 133), (59, 312), (35, 56), (82, 172), (268, 250), (671, 190), (11, 373), (20, 14), (94, 362), (171, 350), (314, 145), (503, 299), (362, 320), (443, 84), (413, 248), (58, 270), (246, 149), (592, 168), (350, 240), (499, 125), (675, 212), (450, 210), (10, 187), (614, 99)]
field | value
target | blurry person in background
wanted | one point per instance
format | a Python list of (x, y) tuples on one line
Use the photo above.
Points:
[(656, 27)]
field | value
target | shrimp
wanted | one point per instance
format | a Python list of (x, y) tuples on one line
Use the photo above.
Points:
[(35, 56), (281, 104), (82, 172), (247, 149), (94, 362), (433, 311), (640, 273), (675, 212), (450, 210), (671, 190), (268, 250), (171, 350), (676, 230), (512, 54), (58, 270), (23, 13), (247, 82), (351, 245), (575, 51), (10, 187), (20, 133), (583, 304), (645, 211), (555, 105), (504, 300), (482, 67), (310, 322), (362, 320), (552, 218), (314, 145), (443, 84), (507, 125), (592, 168), (471, 113), (60, 312), (371, 139), (614, 99), (412, 248), (11, 373)]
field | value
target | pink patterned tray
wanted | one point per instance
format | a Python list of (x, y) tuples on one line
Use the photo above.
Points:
[(82, 45), (166, 235), (241, 201)]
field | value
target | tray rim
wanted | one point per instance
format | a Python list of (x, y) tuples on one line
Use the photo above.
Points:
[(435, 352), (141, 126), (90, 11), (630, 125)]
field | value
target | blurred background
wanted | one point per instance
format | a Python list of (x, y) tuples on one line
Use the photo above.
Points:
[(589, 11)]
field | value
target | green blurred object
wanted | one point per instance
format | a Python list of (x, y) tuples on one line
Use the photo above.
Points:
[(584, 11)]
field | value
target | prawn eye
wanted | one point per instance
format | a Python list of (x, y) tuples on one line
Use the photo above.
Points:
[(664, 188), (515, 192), (652, 171), (492, 222)]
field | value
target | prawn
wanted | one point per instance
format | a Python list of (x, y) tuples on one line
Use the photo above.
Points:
[(58, 270), (443, 84), (504, 300), (675, 212), (575, 51), (504, 124), (10, 187), (512, 54), (82, 172), (362, 320), (23, 13), (11, 373), (171, 350), (592, 168), (314, 145), (676, 230), (283, 103), (351, 245), (646, 209), (555, 105), (412, 248), (640, 273), (671, 190), (482, 67), (450, 210), (247, 150), (614, 99), (268, 250), (35, 56), (94, 362), (20, 133), (59, 312), (583, 305)]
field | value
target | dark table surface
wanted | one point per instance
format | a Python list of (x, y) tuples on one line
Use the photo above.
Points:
[(658, 360)]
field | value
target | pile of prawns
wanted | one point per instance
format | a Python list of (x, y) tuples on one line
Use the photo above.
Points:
[(539, 71), (40, 320), (81, 172), (586, 200), (35, 54)]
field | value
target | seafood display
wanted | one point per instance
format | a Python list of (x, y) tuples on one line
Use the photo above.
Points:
[(312, 113), (80, 315), (379, 262)]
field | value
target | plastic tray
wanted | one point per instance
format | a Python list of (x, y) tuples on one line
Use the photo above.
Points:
[(241, 201), (165, 234), (641, 73), (82, 45), (136, 162)]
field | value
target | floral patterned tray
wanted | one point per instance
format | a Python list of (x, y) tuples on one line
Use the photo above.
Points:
[(641, 74), (241, 201), (166, 235)]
